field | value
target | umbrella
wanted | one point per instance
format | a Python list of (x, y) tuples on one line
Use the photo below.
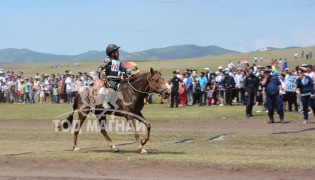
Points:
[(244, 62), (130, 64)]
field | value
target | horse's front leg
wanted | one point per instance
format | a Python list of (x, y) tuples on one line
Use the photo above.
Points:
[(148, 125), (102, 122), (82, 118), (136, 133)]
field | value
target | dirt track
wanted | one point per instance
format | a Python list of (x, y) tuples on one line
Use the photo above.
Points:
[(128, 170), (140, 171)]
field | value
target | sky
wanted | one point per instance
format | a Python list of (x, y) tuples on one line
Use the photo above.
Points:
[(76, 26)]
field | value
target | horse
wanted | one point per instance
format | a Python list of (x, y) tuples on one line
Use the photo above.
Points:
[(129, 104)]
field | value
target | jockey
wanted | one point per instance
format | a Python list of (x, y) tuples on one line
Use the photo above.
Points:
[(112, 66)]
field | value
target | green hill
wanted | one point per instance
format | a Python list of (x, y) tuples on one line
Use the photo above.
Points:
[(172, 52), (212, 62)]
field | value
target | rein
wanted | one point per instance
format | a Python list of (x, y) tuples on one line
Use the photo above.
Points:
[(143, 92)]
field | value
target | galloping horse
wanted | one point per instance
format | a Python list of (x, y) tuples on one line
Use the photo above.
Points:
[(133, 92)]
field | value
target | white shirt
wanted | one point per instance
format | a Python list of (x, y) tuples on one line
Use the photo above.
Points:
[(238, 79), (37, 85), (231, 65), (68, 81), (46, 82), (311, 75), (3, 79)]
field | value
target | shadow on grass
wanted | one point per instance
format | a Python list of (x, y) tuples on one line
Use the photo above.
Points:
[(295, 132), (17, 154), (122, 151)]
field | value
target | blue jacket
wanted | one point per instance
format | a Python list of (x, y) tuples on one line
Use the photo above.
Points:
[(202, 83), (189, 81), (272, 85), (306, 85)]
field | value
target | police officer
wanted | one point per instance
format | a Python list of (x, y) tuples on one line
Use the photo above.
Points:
[(273, 90), (112, 65), (174, 90), (251, 84)]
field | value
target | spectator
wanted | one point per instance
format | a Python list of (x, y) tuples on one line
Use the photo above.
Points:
[(290, 86), (310, 72), (207, 73), (33, 91), (202, 83), (219, 79), (273, 90), (296, 55), (182, 93), (231, 66), (284, 95), (228, 84), (238, 78), (306, 86), (285, 65), (212, 86), (189, 89), (68, 88), (196, 90), (55, 94), (255, 59)]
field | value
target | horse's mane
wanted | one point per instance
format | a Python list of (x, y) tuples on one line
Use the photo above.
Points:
[(138, 76)]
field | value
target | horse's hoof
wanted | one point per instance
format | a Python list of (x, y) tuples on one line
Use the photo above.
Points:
[(115, 149), (76, 149), (143, 151)]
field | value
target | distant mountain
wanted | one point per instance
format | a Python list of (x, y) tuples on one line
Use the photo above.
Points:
[(166, 53), (180, 52)]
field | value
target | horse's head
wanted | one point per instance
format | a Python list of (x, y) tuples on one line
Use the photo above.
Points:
[(157, 85)]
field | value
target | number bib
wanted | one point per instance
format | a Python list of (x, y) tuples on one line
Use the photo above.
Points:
[(115, 66)]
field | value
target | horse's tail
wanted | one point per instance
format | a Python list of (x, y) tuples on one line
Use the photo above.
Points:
[(67, 124)]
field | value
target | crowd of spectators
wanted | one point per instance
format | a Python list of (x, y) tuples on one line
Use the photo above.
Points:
[(225, 86), (221, 87), (59, 88), (45, 88)]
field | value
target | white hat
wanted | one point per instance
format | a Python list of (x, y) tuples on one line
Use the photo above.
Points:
[(287, 69), (226, 69), (207, 69), (304, 65), (1, 72), (220, 67)]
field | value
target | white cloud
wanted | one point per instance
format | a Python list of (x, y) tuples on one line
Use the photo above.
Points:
[(268, 42)]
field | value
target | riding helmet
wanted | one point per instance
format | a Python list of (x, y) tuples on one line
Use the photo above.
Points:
[(111, 48)]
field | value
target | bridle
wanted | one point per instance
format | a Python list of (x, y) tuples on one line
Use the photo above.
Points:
[(149, 85)]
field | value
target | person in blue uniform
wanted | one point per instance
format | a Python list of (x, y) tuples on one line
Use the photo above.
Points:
[(273, 90)]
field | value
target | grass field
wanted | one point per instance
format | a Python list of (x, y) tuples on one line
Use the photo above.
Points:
[(238, 150)]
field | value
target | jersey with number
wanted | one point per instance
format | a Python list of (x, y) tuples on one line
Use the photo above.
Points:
[(112, 67)]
